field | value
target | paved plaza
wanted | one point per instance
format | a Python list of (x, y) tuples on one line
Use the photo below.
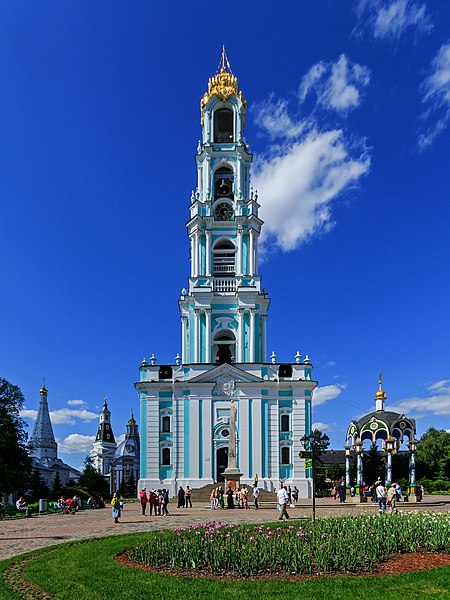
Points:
[(22, 535)]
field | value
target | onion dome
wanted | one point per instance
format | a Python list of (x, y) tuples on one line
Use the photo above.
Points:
[(381, 394), (223, 84)]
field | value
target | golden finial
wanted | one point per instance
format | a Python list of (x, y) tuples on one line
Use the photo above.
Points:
[(43, 389), (381, 394), (224, 84)]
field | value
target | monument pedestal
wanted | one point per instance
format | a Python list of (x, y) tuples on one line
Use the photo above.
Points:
[(232, 478)]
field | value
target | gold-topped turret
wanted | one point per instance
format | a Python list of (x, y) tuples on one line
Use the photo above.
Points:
[(44, 391), (224, 84), (381, 394)]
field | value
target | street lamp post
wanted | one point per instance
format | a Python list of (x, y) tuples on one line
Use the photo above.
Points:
[(313, 444)]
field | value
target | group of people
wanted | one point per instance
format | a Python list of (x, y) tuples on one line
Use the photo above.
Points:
[(184, 497), (68, 505), (340, 492), (157, 501)]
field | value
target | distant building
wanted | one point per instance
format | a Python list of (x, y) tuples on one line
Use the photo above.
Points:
[(102, 454), (44, 449), (126, 457)]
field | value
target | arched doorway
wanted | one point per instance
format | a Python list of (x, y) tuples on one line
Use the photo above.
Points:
[(221, 462)]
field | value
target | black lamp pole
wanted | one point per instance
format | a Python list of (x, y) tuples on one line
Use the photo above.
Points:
[(313, 444)]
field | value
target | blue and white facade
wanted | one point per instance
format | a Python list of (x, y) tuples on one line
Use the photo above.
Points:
[(185, 407)]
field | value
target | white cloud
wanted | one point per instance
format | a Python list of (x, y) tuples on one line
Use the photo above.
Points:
[(76, 402), (324, 427), (437, 403), (272, 115), (337, 85), (28, 414), (75, 443), (436, 96), (390, 19), (120, 438), (298, 182), (62, 416), (327, 392)]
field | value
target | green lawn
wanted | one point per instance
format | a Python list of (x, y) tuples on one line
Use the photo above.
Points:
[(87, 571)]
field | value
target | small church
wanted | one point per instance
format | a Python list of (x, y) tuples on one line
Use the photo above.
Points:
[(185, 406)]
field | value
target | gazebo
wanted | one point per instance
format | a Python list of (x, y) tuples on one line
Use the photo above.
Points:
[(389, 427)]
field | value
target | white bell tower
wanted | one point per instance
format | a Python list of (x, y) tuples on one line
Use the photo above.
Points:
[(224, 311)]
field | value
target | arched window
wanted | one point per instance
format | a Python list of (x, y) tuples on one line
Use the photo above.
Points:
[(285, 423), (165, 424), (223, 183), (285, 455), (223, 126), (224, 347), (223, 259), (165, 456)]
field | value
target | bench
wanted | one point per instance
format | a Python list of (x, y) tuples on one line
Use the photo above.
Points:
[(12, 512)]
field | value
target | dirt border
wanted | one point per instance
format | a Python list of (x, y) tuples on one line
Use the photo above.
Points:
[(396, 565)]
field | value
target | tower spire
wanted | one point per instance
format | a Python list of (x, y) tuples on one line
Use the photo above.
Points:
[(380, 396)]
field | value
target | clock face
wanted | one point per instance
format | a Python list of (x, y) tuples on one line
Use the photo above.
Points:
[(129, 448), (223, 212)]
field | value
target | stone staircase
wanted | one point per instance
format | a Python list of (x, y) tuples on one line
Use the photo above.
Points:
[(203, 494)]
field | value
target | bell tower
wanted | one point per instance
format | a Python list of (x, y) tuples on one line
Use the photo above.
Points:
[(224, 311)]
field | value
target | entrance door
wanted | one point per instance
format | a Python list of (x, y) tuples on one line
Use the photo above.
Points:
[(221, 462)]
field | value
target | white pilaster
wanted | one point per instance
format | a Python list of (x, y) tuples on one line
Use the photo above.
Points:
[(195, 442), (240, 348), (208, 335), (239, 252), (208, 252), (183, 340), (196, 335), (252, 340), (152, 425), (251, 252), (244, 437), (257, 436)]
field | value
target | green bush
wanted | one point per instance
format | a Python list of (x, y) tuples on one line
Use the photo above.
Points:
[(70, 492)]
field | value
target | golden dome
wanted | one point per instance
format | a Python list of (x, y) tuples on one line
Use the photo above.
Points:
[(43, 391), (131, 421), (381, 394), (224, 84)]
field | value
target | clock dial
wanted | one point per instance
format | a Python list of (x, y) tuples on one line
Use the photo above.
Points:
[(223, 212)]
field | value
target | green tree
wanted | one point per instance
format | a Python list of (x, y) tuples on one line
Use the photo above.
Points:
[(15, 461), (130, 490), (92, 481), (433, 455), (400, 467), (57, 486), (37, 486), (373, 465)]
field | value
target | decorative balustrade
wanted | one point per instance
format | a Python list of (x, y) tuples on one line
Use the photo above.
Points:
[(224, 285), (221, 269)]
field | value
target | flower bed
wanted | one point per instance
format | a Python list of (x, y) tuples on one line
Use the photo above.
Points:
[(330, 545)]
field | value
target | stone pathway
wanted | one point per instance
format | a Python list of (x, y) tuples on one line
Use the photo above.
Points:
[(22, 535)]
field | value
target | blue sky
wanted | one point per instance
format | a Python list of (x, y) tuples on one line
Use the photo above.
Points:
[(348, 120)]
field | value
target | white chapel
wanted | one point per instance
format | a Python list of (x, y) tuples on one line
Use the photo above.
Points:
[(185, 407)]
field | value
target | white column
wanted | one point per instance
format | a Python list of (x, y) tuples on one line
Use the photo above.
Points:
[(239, 252), (196, 335), (239, 177), (183, 340), (196, 254), (208, 252), (240, 340), (192, 255), (256, 253), (244, 437), (208, 335), (252, 335), (251, 255), (207, 172), (194, 441), (257, 436)]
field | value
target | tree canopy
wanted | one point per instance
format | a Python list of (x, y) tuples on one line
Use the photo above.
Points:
[(15, 461), (433, 455), (92, 481)]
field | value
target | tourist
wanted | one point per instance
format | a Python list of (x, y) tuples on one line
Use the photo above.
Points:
[(165, 502), (392, 499), (342, 493), (380, 491), (21, 505), (333, 493), (115, 506), (188, 495), (230, 499), (244, 496), (212, 499), (143, 500), (76, 503), (295, 493), (256, 479), (398, 492), (289, 493), (220, 496), (419, 492), (255, 494), (373, 493), (152, 502), (159, 502), (353, 491), (181, 498), (2, 510), (282, 501)]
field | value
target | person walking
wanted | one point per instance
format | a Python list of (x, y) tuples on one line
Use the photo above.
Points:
[(230, 497), (152, 502), (187, 495), (342, 493), (282, 501), (143, 500), (392, 499), (255, 494), (333, 493), (181, 498), (115, 506), (165, 502), (380, 491)]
